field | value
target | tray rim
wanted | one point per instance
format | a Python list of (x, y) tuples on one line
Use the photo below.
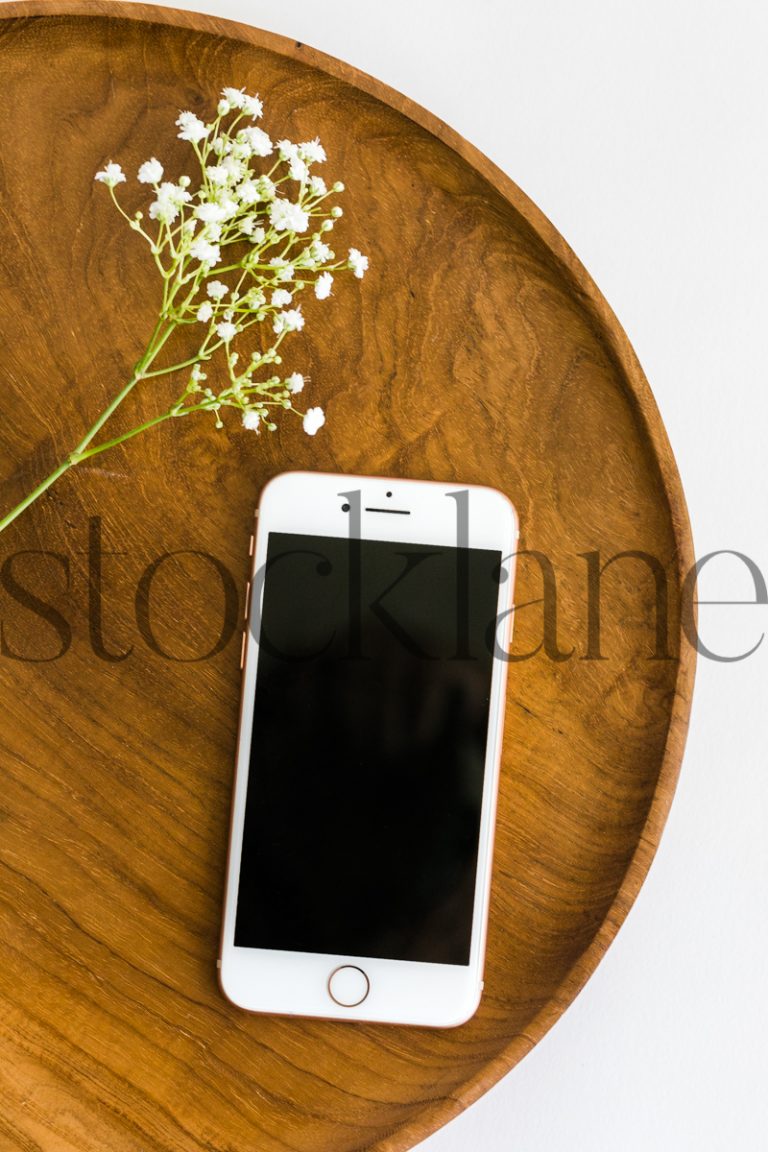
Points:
[(434, 1116)]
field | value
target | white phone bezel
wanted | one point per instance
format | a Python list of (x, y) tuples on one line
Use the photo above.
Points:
[(403, 992)]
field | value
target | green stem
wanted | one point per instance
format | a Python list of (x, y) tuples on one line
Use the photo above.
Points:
[(30, 499), (77, 458), (156, 342), (176, 367)]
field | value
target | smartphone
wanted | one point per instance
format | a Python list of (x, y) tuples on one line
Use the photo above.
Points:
[(374, 661)]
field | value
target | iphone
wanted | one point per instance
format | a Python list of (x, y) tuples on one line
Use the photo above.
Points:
[(374, 661)]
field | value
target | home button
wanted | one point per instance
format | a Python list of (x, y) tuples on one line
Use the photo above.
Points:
[(348, 986)]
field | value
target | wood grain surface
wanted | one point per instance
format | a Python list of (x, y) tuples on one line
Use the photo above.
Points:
[(477, 348)]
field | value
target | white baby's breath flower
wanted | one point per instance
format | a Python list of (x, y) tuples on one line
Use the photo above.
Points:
[(255, 299), (291, 321), (252, 106), (216, 290), (205, 312), (240, 150), (226, 331), (210, 213), (192, 128), (289, 153), (170, 198), (304, 259), (223, 107), (217, 174), (280, 297), (176, 192), (150, 172), (298, 170), (312, 151), (248, 192), (111, 175), (235, 168), (252, 420), (234, 96), (323, 286), (358, 263), (295, 382), (205, 252), (318, 186), (284, 270), (320, 252), (314, 419), (286, 150), (266, 187), (285, 216), (259, 144)]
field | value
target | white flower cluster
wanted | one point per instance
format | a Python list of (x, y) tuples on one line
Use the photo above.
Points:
[(111, 175), (259, 217)]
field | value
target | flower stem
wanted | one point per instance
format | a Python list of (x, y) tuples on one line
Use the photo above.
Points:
[(30, 499), (81, 452), (78, 457)]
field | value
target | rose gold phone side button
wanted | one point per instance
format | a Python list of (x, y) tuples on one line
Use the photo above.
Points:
[(242, 649), (247, 599)]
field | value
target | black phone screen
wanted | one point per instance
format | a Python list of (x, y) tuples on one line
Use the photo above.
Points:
[(368, 752)]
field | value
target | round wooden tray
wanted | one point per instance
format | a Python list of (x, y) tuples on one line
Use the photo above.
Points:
[(478, 349)]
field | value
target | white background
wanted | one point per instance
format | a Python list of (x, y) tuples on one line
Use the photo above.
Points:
[(641, 130)]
